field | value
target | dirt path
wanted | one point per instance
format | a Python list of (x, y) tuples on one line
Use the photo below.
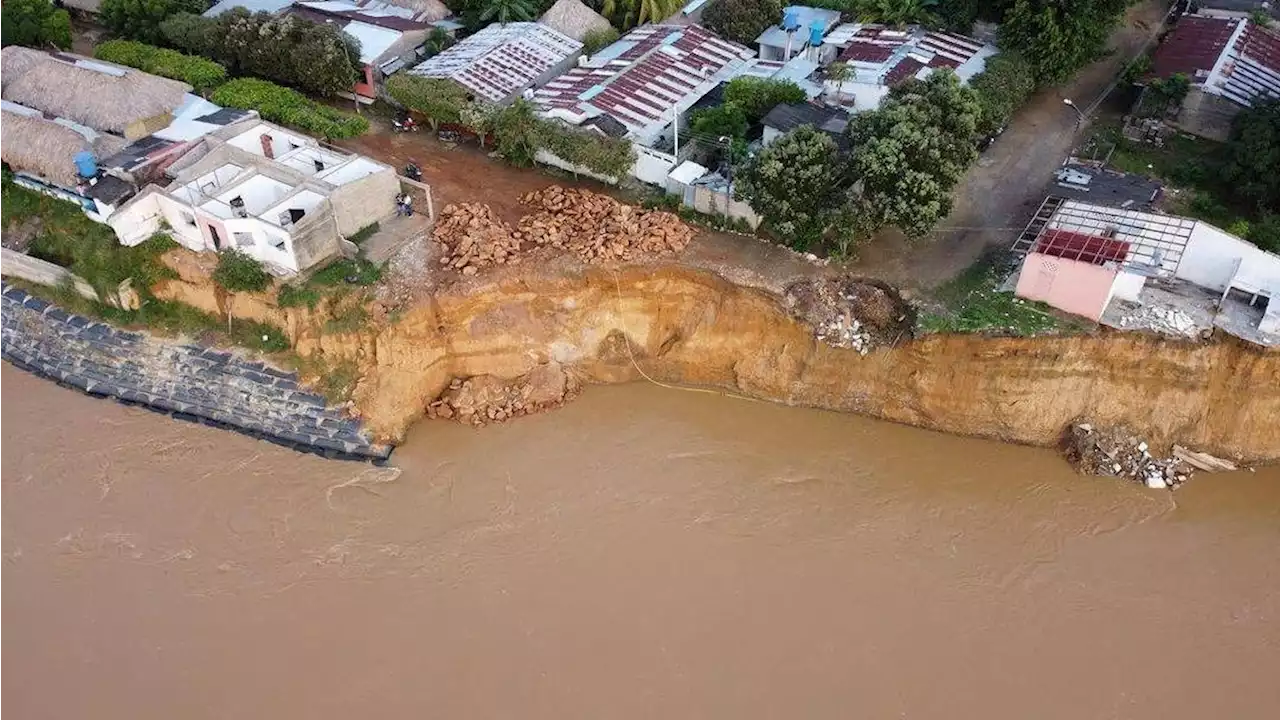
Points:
[(1003, 189)]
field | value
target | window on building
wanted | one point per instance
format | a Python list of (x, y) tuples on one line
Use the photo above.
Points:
[(243, 239), (189, 219)]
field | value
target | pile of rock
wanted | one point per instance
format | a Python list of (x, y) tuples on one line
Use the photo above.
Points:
[(1119, 453), (849, 312), (1167, 320), (483, 399), (598, 228), (470, 237)]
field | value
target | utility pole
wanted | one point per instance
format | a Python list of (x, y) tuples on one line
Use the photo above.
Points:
[(1080, 115)]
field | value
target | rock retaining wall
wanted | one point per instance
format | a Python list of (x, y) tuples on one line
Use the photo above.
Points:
[(189, 382)]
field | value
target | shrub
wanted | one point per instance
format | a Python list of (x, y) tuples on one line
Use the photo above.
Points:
[(237, 272), (596, 40), (353, 272), (203, 75), (440, 100), (608, 156), (140, 19), (289, 107), (34, 23)]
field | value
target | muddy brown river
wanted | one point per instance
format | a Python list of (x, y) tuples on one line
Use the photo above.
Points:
[(641, 553)]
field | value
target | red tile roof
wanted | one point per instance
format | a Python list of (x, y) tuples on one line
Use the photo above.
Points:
[(859, 51), (906, 68), (661, 68), (1195, 44), (1092, 249)]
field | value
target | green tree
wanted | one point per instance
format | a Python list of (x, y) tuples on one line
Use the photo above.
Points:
[(1265, 233), (506, 11), (1002, 87), (140, 19), (596, 40), (516, 134), (727, 120), (795, 184), (34, 23), (910, 153), (840, 73), (439, 99), (1252, 169), (313, 57), (898, 13), (742, 20), (757, 96), (1058, 37)]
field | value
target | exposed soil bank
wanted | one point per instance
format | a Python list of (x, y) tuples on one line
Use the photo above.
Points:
[(692, 327)]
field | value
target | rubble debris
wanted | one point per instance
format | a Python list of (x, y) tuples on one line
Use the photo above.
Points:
[(851, 313), (595, 227), (600, 229), (1116, 452), (1170, 321), (1203, 461), (484, 399)]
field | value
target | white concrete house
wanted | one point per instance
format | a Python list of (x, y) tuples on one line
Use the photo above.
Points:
[(275, 195)]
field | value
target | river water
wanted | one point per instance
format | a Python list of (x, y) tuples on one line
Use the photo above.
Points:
[(641, 553)]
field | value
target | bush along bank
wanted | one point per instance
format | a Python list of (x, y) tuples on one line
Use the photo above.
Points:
[(189, 382)]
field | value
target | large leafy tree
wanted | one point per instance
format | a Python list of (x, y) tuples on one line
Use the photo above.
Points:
[(910, 153), (35, 23), (316, 58), (796, 184), (140, 19), (898, 12), (439, 99), (506, 11), (757, 96), (1002, 87), (742, 20), (1058, 37), (1253, 149)]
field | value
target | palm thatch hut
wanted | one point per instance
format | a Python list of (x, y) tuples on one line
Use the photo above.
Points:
[(47, 149), (424, 10), (574, 19), (99, 95)]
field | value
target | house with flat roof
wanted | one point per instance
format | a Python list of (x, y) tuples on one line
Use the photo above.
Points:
[(800, 31), (275, 195), (499, 63), (1231, 63), (881, 57)]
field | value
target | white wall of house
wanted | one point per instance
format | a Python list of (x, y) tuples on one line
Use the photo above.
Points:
[(262, 241), (1128, 286), (653, 166), (1213, 257), (865, 95)]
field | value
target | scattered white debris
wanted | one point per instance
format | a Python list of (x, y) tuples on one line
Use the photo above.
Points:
[(1170, 321), (1118, 453)]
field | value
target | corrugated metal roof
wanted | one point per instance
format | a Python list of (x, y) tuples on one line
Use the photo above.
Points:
[(1194, 46), (501, 60), (374, 40), (652, 69)]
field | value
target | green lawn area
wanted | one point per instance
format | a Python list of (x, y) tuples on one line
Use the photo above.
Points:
[(970, 303)]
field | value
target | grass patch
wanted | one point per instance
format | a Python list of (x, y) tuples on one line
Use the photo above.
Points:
[(237, 272), (68, 238), (335, 381), (364, 233), (970, 304), (348, 319), (329, 281)]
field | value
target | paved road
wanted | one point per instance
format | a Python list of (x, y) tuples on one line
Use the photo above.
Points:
[(1004, 188)]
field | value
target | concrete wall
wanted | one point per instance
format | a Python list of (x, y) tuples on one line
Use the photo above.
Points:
[(16, 264), (1212, 257), (192, 383), (314, 238), (1070, 285), (365, 201), (1206, 115), (653, 166), (709, 202), (1128, 286), (547, 158)]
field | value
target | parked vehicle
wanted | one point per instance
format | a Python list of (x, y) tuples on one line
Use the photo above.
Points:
[(413, 172), (987, 141), (404, 123)]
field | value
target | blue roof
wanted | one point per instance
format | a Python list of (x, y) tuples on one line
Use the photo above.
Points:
[(253, 6), (806, 17)]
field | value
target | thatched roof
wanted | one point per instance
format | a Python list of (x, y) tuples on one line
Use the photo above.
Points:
[(57, 86), (573, 18), (428, 10), (45, 148)]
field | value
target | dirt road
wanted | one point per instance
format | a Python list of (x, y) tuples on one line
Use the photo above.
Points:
[(1003, 189)]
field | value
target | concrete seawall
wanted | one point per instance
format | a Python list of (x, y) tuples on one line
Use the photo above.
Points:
[(189, 382)]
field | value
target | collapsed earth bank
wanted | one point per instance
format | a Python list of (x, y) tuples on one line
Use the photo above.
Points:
[(691, 327)]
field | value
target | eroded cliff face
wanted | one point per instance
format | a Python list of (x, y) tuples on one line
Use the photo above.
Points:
[(690, 327)]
